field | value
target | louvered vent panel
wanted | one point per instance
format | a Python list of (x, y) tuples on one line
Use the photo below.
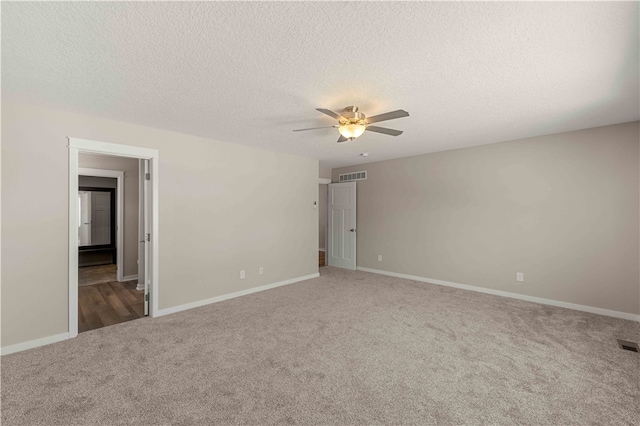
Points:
[(348, 177)]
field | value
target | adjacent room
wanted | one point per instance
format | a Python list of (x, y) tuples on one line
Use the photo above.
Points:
[(320, 213), (111, 212)]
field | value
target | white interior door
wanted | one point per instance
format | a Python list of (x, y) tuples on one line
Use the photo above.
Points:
[(342, 225), (144, 232)]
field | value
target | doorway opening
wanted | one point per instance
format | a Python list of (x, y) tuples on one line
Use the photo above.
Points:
[(108, 199), (113, 263)]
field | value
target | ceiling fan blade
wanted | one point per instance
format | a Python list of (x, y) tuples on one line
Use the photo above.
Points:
[(387, 116), (384, 130), (342, 139), (330, 113), (315, 128)]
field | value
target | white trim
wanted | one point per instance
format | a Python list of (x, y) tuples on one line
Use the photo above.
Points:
[(233, 295), (19, 347), (139, 285), (591, 309), (73, 242), (114, 149), (64, 336), (85, 171), (324, 181), (327, 253), (119, 175), (322, 249), (155, 231), (95, 147)]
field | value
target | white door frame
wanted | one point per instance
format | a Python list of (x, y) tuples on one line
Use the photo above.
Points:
[(119, 175), (77, 145)]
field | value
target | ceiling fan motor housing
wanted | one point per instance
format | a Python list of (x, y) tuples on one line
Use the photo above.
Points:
[(352, 116)]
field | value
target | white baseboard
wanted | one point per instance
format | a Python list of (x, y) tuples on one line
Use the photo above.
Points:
[(130, 278), (64, 336), (19, 347), (591, 309), (216, 299)]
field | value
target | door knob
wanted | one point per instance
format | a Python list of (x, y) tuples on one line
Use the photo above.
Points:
[(353, 230)]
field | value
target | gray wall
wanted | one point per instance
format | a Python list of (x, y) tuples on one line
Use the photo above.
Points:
[(324, 173), (222, 207), (561, 208), (130, 221)]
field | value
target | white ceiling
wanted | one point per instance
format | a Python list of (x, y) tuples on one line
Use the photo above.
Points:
[(250, 73)]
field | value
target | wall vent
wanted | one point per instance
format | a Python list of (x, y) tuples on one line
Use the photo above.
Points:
[(628, 346), (348, 177)]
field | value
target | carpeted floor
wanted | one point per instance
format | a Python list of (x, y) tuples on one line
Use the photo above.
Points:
[(346, 348)]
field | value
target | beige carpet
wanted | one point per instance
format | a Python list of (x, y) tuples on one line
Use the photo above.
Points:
[(346, 348)]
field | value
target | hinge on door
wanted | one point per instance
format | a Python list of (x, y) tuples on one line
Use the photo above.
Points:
[(146, 297), (147, 176), (148, 237)]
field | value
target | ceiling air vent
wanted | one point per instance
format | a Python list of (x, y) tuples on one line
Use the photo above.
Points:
[(348, 177)]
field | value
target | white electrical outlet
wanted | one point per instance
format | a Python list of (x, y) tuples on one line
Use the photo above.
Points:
[(379, 258), (242, 274), (260, 270), (520, 276)]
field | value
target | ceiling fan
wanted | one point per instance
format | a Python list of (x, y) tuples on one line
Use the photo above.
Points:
[(352, 124)]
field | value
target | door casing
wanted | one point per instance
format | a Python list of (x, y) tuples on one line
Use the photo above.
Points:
[(144, 220), (75, 146)]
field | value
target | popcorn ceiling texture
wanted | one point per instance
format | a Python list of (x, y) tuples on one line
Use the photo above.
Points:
[(468, 73)]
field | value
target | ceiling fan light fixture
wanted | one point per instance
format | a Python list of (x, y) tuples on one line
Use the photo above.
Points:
[(352, 123), (351, 130)]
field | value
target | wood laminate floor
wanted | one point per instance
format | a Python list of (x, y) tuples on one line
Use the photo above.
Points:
[(89, 275), (104, 304)]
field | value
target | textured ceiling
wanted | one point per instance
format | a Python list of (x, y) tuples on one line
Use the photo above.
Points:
[(250, 73)]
